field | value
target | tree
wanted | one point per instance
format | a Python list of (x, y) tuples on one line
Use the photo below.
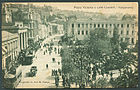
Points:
[(99, 42), (66, 60), (123, 45), (135, 49), (128, 17), (115, 39)]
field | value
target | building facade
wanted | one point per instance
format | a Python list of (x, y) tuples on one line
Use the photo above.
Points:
[(15, 34), (10, 49), (80, 29)]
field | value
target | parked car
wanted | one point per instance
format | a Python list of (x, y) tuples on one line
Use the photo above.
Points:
[(33, 71)]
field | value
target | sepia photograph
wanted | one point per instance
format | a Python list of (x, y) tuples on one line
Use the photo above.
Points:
[(69, 44)]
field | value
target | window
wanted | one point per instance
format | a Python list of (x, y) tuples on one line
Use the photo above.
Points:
[(5, 47), (98, 25), (127, 39), (127, 32), (82, 32), (132, 32), (114, 25), (117, 25), (29, 16), (90, 25), (127, 25), (110, 25), (13, 44), (86, 32), (30, 25), (102, 25), (106, 25), (82, 25), (21, 25), (17, 25), (78, 25), (122, 25), (87, 25), (94, 25), (121, 32), (132, 25), (73, 31), (78, 32), (72, 25), (132, 40)]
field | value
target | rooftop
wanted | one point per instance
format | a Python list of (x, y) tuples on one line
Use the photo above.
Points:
[(103, 21), (7, 35)]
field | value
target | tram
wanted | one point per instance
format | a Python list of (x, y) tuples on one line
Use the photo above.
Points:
[(28, 60)]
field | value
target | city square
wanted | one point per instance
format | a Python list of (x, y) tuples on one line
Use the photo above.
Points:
[(44, 46)]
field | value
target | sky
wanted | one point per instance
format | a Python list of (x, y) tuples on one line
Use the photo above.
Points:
[(101, 7), (111, 7)]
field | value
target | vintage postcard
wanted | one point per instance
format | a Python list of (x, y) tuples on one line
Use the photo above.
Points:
[(70, 45)]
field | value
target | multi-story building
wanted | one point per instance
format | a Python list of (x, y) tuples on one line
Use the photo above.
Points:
[(56, 28), (60, 29), (80, 29), (43, 31), (14, 39), (6, 13), (10, 49), (10, 64)]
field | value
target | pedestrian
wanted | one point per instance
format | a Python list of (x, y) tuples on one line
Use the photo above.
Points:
[(59, 70), (111, 81), (46, 66), (111, 74), (58, 63), (64, 80), (57, 80), (68, 82), (58, 51), (56, 72), (102, 72), (90, 83), (83, 85), (46, 50), (76, 81), (94, 76), (52, 72), (55, 50)]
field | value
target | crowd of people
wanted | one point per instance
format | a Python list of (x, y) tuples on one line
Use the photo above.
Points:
[(81, 69), (49, 48), (80, 61)]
